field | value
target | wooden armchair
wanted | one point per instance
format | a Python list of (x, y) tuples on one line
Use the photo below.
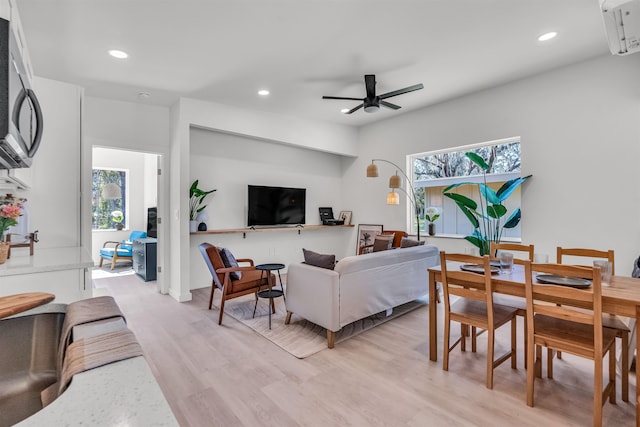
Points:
[(250, 281), (120, 251)]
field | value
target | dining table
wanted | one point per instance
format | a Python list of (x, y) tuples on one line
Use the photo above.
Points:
[(621, 296)]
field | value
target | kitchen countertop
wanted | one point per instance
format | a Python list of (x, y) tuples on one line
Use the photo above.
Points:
[(123, 393), (45, 260)]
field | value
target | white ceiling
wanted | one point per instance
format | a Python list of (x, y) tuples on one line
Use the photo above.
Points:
[(225, 50)]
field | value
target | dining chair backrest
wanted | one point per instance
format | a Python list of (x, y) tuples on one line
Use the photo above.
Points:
[(586, 253), (511, 247), (572, 301), (476, 286)]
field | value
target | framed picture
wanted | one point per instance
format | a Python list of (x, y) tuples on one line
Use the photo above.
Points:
[(346, 217), (367, 234)]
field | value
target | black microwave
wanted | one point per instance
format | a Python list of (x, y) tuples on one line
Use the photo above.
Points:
[(20, 113)]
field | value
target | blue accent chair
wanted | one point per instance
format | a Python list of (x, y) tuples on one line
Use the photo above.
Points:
[(122, 250)]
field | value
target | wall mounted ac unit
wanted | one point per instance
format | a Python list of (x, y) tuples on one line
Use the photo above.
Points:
[(622, 23)]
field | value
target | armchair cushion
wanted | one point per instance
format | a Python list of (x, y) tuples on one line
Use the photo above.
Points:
[(108, 252), (319, 260), (230, 261)]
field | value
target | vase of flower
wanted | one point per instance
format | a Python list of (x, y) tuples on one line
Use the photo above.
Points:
[(432, 229), (10, 209), (431, 214), (193, 226)]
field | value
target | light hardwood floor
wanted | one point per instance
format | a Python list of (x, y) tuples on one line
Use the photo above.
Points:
[(230, 376)]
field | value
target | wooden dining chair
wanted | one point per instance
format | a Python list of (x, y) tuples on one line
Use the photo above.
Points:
[(610, 321), (474, 308), (512, 247), (516, 302), (583, 335)]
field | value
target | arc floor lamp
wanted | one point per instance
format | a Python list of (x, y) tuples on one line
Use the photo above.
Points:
[(395, 183)]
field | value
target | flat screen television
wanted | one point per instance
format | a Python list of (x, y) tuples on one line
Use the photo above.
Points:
[(275, 205), (152, 222)]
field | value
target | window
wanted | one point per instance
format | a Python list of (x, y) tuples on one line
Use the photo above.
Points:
[(109, 199), (433, 171)]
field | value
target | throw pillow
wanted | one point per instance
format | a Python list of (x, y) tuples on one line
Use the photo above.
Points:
[(407, 243), (319, 260), (230, 261), (382, 242)]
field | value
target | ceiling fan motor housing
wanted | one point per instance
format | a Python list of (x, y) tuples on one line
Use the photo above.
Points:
[(371, 105)]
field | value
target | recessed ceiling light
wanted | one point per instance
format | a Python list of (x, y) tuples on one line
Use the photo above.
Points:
[(344, 110), (118, 54), (263, 92), (547, 36), (144, 95)]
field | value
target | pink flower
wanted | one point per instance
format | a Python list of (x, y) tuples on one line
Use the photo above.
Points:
[(10, 211)]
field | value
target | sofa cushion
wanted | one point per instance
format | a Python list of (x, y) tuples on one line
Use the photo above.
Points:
[(319, 260), (407, 243), (382, 242), (230, 261)]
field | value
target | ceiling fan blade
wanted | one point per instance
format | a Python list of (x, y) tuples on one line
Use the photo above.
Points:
[(355, 109), (390, 105), (370, 84), (341, 97), (401, 91)]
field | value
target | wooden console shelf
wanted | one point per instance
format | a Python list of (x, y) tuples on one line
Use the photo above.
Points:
[(244, 231)]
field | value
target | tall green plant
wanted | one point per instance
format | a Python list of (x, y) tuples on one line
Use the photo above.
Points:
[(196, 200), (488, 217)]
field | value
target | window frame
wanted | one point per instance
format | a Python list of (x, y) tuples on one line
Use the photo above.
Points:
[(443, 182), (95, 197)]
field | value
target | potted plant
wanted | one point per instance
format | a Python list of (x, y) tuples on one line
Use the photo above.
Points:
[(431, 214), (489, 220), (118, 217), (196, 204), (10, 209)]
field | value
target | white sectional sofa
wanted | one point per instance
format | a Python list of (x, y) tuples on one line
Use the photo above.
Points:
[(358, 287)]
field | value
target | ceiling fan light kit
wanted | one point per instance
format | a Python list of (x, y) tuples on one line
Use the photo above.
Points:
[(372, 102)]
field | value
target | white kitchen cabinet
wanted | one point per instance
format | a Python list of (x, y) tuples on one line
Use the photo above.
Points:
[(64, 272), (9, 11)]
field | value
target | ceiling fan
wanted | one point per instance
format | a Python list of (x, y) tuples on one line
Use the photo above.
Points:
[(372, 102)]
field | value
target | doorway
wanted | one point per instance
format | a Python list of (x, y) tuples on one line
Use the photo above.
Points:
[(132, 204)]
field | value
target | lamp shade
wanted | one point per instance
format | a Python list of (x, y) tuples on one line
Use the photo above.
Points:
[(395, 181), (393, 198), (111, 191), (372, 171)]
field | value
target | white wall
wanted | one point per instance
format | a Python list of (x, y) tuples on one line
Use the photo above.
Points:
[(134, 127), (229, 163), (580, 129), (189, 113), (141, 182)]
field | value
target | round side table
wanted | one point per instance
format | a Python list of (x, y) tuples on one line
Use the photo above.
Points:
[(270, 293)]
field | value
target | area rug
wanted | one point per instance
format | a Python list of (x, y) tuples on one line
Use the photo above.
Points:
[(302, 338)]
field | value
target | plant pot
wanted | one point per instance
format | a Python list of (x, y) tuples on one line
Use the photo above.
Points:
[(193, 226), (432, 229)]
